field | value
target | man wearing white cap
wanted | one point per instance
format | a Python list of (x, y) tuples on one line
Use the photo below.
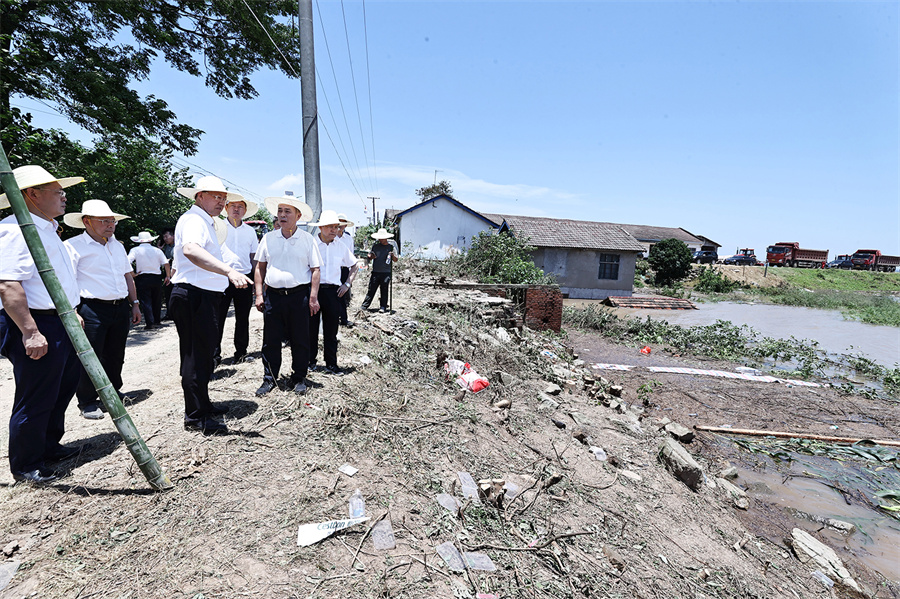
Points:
[(287, 263), (346, 239), (335, 255), (238, 252), (32, 336), (381, 256), (147, 260), (108, 296), (200, 280)]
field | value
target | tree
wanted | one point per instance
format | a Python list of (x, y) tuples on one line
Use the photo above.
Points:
[(440, 188), (671, 259), (502, 258), (76, 54)]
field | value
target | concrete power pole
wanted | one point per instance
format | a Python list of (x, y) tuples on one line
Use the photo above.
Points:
[(311, 175)]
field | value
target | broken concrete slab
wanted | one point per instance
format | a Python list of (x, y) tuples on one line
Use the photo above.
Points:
[(807, 548), (552, 389), (737, 495), (680, 463), (679, 432)]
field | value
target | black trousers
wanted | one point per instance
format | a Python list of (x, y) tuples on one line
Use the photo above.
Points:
[(44, 389), (329, 315), (345, 301), (150, 292), (378, 280), (167, 293), (286, 316), (195, 312), (243, 302), (106, 327)]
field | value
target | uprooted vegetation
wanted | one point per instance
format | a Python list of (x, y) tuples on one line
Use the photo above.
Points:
[(570, 525)]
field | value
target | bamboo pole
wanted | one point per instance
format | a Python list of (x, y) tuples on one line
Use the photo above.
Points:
[(157, 478), (760, 433)]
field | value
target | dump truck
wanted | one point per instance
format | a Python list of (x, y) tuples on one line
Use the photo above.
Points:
[(874, 260), (789, 253)]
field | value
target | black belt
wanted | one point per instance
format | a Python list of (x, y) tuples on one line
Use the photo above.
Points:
[(49, 312), (289, 290), (327, 285), (114, 302)]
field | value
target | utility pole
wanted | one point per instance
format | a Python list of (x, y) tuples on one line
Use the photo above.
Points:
[(374, 214), (435, 175), (311, 175)]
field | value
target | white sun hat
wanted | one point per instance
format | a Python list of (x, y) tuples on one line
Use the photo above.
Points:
[(345, 221), (382, 233), (210, 183), (144, 237), (95, 208), (32, 175), (328, 217), (306, 213), (252, 207)]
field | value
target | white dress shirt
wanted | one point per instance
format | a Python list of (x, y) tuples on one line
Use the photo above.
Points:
[(289, 262), (99, 269), (346, 239), (240, 244), (334, 256), (196, 226), (147, 259), (16, 263)]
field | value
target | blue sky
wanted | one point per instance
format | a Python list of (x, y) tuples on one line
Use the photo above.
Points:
[(749, 123)]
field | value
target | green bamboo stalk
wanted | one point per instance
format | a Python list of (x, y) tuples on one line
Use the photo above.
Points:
[(157, 478)]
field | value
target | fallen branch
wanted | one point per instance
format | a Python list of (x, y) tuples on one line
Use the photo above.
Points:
[(783, 435), (443, 423), (535, 548)]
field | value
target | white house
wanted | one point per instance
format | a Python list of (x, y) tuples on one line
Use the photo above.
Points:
[(441, 226)]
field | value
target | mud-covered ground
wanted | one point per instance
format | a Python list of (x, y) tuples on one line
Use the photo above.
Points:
[(577, 527)]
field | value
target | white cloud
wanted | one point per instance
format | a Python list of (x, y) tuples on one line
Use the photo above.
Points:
[(291, 181)]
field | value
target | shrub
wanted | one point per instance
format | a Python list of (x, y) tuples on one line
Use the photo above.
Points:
[(671, 259), (712, 281), (501, 258)]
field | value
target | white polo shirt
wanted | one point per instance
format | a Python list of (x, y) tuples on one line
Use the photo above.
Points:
[(289, 262), (240, 244), (196, 226), (99, 269), (16, 263), (334, 256), (147, 259)]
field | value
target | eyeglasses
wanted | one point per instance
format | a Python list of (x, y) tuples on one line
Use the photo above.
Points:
[(104, 221), (59, 192)]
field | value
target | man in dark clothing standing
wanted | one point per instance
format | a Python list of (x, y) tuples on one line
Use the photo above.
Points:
[(382, 256)]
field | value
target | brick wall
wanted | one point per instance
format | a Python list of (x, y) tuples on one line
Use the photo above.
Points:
[(543, 308)]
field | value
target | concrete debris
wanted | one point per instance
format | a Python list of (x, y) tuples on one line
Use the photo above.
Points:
[(729, 473), (547, 403), (552, 389), (631, 475), (617, 561), (503, 404), (579, 435), (807, 548), (737, 495), (680, 463), (10, 548), (505, 378), (680, 432), (616, 390)]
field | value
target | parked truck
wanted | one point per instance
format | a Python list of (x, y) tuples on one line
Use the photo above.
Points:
[(874, 260), (789, 253)]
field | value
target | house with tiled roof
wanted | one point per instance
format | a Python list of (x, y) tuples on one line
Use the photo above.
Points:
[(440, 226), (590, 260)]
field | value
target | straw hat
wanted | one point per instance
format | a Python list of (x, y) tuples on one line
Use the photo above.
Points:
[(329, 217), (96, 208), (306, 213), (144, 237), (32, 175), (382, 234), (210, 183), (221, 227), (346, 222), (252, 207)]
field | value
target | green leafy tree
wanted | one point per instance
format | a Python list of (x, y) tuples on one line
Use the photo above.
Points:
[(671, 259), (501, 258), (440, 188), (362, 239), (83, 55)]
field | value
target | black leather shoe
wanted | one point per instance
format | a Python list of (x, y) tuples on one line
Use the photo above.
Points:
[(238, 358), (220, 409), (39, 477), (267, 386), (300, 388), (61, 452), (313, 367), (207, 426), (333, 370)]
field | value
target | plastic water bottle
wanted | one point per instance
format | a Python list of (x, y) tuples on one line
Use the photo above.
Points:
[(357, 505)]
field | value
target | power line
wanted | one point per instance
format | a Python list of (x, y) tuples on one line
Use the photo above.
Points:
[(362, 136), (369, 85)]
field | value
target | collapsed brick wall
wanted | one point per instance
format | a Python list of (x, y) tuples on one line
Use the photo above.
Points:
[(543, 308)]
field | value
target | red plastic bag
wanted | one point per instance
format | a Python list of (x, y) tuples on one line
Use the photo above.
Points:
[(645, 350)]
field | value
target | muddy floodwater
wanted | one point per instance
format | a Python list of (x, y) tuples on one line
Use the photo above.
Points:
[(834, 333)]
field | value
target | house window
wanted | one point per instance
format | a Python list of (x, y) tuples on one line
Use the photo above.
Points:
[(609, 266)]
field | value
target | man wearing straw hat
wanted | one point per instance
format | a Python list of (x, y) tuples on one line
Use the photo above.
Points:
[(32, 336), (147, 260), (238, 251), (109, 302), (287, 263), (346, 239), (200, 280), (335, 256), (381, 256)]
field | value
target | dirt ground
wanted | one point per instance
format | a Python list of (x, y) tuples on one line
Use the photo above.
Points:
[(575, 527)]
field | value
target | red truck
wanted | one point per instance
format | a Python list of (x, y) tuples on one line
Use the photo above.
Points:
[(873, 260), (789, 253)]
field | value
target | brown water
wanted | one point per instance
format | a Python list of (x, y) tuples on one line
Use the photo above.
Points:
[(834, 333)]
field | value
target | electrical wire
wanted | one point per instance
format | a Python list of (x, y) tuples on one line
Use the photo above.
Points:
[(369, 86), (355, 94)]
